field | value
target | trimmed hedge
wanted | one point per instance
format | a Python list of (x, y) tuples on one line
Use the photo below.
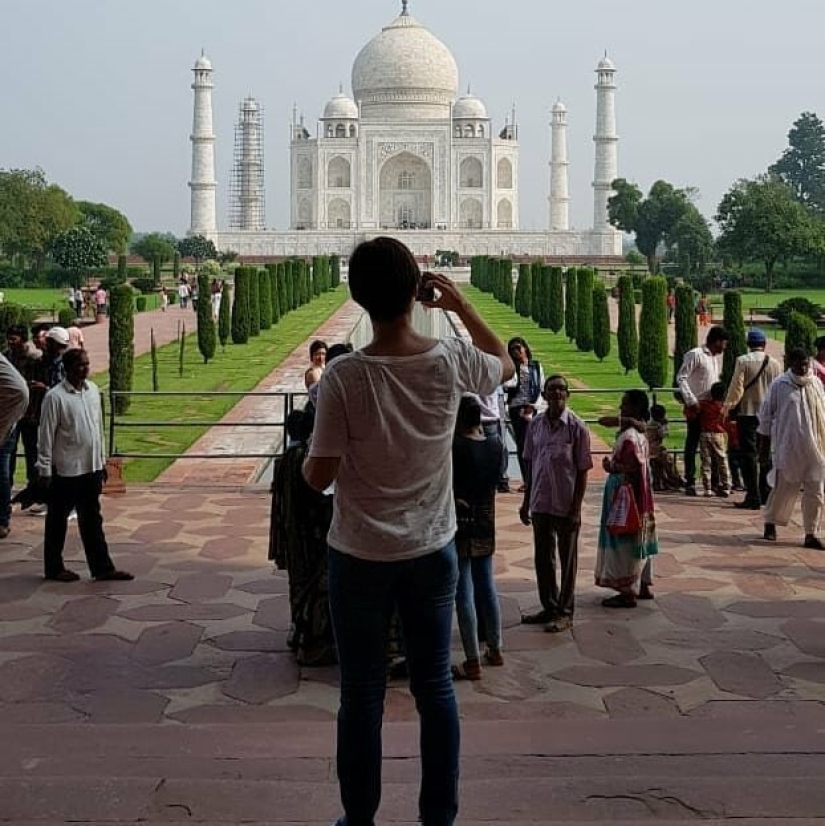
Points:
[(240, 307), (800, 332), (584, 310), (524, 291), (601, 322), (571, 303), (687, 331), (254, 302), (734, 322), (555, 299), (207, 342), (627, 334), (225, 316), (265, 299), (653, 352), (121, 344)]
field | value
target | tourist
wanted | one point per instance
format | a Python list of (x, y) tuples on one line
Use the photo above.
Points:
[(183, 293), (699, 371), (623, 558), (79, 302), (14, 397), (792, 424), (72, 469), (753, 374), (391, 540), (101, 300), (702, 310), (662, 462), (522, 392), (39, 336), (671, 304), (215, 289), (476, 468), (317, 358), (492, 421), (818, 361), (76, 340), (164, 299), (713, 442), (557, 458), (299, 523)]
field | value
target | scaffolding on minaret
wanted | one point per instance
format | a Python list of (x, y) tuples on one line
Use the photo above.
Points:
[(247, 202)]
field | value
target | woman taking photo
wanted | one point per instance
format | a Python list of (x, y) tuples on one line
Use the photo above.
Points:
[(627, 535), (523, 391)]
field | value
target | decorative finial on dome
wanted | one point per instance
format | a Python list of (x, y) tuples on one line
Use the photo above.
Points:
[(404, 11), (469, 90), (340, 88)]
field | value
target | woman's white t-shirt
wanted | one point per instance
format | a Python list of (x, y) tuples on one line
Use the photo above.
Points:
[(390, 419)]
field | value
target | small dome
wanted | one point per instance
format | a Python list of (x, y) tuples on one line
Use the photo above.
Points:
[(470, 107), (341, 107), (558, 106), (203, 62), (606, 64)]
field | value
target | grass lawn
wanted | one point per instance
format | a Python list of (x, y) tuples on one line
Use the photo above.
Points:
[(558, 355), (240, 368)]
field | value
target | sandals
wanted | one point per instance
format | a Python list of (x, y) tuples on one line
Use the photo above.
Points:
[(470, 670), (620, 601)]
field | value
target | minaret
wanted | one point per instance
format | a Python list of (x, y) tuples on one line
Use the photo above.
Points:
[(606, 142), (246, 188), (559, 185), (203, 184)]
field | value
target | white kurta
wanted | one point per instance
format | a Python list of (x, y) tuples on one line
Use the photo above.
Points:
[(785, 419)]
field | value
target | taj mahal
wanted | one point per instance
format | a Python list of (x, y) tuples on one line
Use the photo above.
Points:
[(406, 155)]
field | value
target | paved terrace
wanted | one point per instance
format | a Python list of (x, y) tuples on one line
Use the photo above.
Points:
[(173, 698)]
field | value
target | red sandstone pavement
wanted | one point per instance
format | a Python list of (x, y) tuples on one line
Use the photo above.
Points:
[(174, 699)]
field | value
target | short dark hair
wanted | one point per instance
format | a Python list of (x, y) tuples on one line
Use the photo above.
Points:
[(796, 354), (37, 329), (657, 411), (717, 333), (18, 330), (640, 404), (556, 377), (469, 413), (338, 350), (71, 358), (383, 278), (521, 342), (299, 425), (316, 346), (717, 391)]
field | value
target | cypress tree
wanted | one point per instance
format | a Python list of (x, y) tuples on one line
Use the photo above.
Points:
[(176, 267), (240, 307), (555, 300), (265, 299), (584, 319), (121, 268), (536, 295), (254, 302), (627, 334), (543, 304), (121, 344), (601, 322), (571, 303), (283, 293), (153, 355), (206, 326), (335, 270), (523, 291), (225, 317), (653, 351), (687, 331), (734, 322), (289, 280), (317, 275), (800, 332), (156, 265), (274, 292), (506, 270)]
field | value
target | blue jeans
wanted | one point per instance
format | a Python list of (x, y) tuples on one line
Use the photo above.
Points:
[(477, 592), (362, 597), (6, 454)]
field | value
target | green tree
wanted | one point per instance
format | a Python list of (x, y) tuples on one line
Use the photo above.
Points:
[(802, 165), (536, 284), (506, 280), (240, 306), (627, 334), (121, 268), (265, 298), (198, 247), (283, 296), (686, 330), (78, 249), (601, 322), (254, 300), (733, 321), (32, 213), (760, 221), (154, 245), (206, 326), (653, 350), (652, 219), (523, 298), (571, 303), (555, 299), (584, 310), (225, 317), (801, 332), (690, 242), (121, 344), (110, 227), (176, 266), (274, 292)]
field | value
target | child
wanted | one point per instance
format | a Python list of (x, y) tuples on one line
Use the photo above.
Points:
[(713, 443), (662, 465), (732, 429)]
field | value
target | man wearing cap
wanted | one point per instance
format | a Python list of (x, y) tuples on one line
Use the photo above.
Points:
[(698, 373), (57, 341), (752, 376)]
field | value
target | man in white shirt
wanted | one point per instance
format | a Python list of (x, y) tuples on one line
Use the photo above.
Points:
[(72, 468), (792, 422), (699, 372)]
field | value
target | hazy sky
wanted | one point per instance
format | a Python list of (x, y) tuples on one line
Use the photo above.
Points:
[(97, 92)]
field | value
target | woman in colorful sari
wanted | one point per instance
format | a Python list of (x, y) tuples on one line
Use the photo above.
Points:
[(622, 560)]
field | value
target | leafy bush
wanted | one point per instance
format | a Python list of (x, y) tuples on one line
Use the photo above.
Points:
[(144, 285), (797, 304), (653, 351), (800, 332), (140, 303), (11, 314), (66, 317)]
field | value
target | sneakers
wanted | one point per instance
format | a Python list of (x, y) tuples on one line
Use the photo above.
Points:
[(814, 542), (38, 509), (708, 493), (770, 532)]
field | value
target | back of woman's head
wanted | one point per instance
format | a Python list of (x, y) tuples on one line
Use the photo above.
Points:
[(383, 278), (299, 425), (638, 402), (469, 413)]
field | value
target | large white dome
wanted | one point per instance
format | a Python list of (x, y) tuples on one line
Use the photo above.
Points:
[(404, 72)]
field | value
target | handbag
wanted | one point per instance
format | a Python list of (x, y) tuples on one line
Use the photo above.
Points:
[(623, 517), (734, 412)]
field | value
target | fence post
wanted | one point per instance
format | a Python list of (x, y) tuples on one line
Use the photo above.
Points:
[(111, 422)]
